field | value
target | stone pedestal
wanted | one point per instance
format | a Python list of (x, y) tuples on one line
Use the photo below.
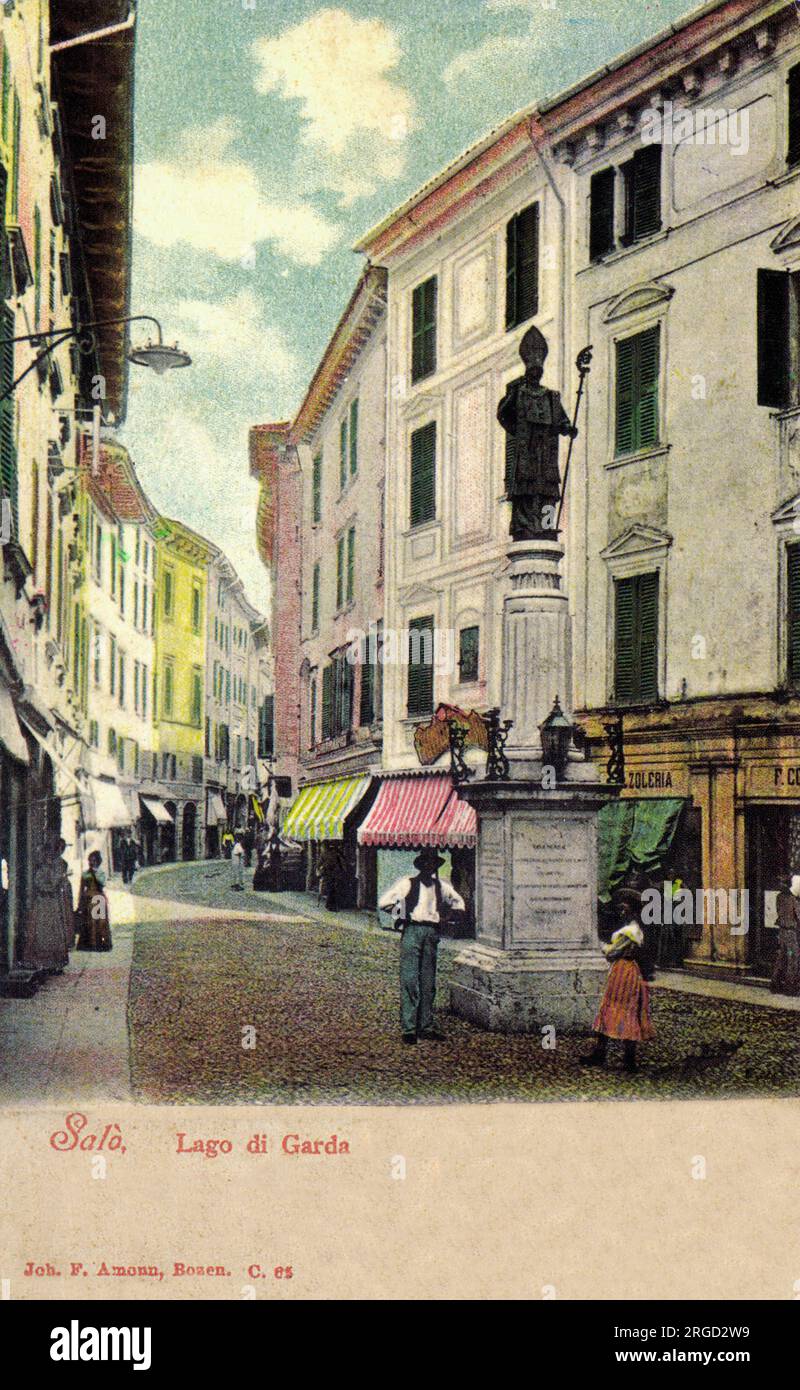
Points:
[(536, 959)]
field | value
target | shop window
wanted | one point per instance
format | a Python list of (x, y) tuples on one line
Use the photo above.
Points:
[(522, 266), (423, 330), (637, 383), (636, 639)]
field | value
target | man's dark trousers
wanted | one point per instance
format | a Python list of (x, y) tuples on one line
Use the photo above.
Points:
[(419, 946)]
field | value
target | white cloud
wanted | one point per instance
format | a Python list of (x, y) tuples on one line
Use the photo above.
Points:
[(213, 202), (233, 332), (356, 115)]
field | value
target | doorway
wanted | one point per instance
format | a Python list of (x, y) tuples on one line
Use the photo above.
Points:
[(188, 843)]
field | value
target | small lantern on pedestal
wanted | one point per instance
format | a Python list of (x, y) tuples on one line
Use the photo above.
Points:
[(556, 732)]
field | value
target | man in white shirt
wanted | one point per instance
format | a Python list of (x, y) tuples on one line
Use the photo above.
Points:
[(422, 901)]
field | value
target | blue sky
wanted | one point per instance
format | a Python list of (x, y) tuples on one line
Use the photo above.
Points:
[(269, 135)]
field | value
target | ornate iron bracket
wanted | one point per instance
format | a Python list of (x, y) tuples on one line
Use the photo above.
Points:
[(458, 766), (497, 764), (615, 767)]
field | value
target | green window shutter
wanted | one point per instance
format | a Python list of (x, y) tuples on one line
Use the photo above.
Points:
[(312, 714), (649, 361), (353, 438), (327, 701), (793, 615), (423, 474), (351, 563), (793, 144), (6, 80), (316, 489), (601, 213), (340, 572), (37, 265), (648, 637), (636, 639), (367, 699), (315, 598), (343, 455), (522, 266), (420, 666), (637, 386), (642, 193), (626, 352), (774, 347), (15, 158), (624, 639), (8, 451), (5, 264), (423, 330)]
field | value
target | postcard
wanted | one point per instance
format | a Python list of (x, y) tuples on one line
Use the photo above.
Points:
[(399, 656)]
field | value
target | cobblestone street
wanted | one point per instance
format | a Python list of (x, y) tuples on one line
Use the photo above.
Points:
[(321, 993)]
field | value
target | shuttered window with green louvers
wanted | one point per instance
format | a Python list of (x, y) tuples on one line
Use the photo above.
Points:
[(601, 213), (642, 193), (8, 451), (343, 455), (327, 702), (636, 639), (316, 489), (366, 712), (340, 573), (315, 598), (351, 564), (793, 142), (423, 474), (420, 666), (793, 614), (353, 438), (522, 266), (638, 360), (423, 330)]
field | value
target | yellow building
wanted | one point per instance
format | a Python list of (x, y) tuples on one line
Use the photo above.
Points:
[(178, 684)]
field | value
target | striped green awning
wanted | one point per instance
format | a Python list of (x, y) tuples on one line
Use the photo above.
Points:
[(319, 811)]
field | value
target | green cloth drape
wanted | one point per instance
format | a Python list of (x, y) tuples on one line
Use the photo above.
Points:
[(634, 837)]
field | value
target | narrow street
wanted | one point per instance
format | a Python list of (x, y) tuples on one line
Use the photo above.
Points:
[(164, 1017)]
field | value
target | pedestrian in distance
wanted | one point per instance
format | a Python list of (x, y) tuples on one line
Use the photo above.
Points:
[(94, 927), (624, 1011), (786, 973), (237, 861), (46, 947), (129, 857), (65, 894), (424, 901)]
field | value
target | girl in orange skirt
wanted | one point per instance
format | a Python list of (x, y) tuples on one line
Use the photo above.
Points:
[(624, 1010)]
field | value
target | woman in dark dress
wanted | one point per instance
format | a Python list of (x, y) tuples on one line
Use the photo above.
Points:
[(94, 931)]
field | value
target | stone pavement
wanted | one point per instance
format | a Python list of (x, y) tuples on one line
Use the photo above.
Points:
[(160, 1018), (70, 1041)]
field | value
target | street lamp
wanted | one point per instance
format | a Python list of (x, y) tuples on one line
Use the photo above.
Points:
[(159, 355), (556, 732)]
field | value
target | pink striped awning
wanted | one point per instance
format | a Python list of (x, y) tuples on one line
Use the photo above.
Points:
[(412, 812)]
